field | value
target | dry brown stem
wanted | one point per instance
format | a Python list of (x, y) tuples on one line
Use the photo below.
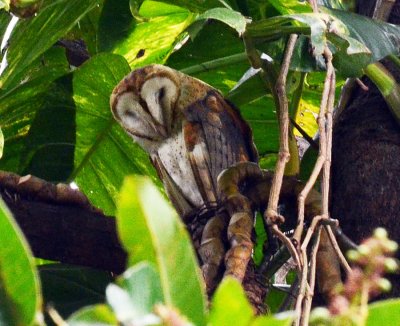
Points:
[(271, 214)]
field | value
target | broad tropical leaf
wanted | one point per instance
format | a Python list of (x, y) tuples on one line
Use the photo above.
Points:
[(151, 231), (20, 294), (34, 36), (149, 41)]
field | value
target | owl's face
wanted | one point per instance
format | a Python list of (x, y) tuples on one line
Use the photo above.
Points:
[(149, 101)]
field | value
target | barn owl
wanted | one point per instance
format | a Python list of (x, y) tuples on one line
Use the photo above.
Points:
[(191, 134)]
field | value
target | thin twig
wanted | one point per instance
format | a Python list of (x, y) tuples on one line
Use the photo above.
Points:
[(302, 288), (288, 243), (307, 282), (312, 272), (339, 253), (330, 83), (310, 182), (271, 213), (315, 222)]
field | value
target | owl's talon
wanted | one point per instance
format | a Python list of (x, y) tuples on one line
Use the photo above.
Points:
[(212, 250)]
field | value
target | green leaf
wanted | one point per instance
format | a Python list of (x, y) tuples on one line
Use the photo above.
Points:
[(296, 6), (87, 29), (30, 147), (355, 40), (194, 6), (150, 41), (261, 116), (384, 313), (1, 143), (282, 319), (141, 290), (97, 315), (380, 38), (33, 37), (5, 4), (229, 17), (20, 295), (69, 288), (230, 305), (151, 231), (104, 153), (228, 55), (291, 6)]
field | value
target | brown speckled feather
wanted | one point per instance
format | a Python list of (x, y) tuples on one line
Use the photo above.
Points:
[(216, 134)]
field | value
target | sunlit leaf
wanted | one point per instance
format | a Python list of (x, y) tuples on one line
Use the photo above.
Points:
[(98, 315), (291, 6), (282, 319), (227, 16), (356, 40), (384, 312), (150, 230), (43, 102), (149, 41), (87, 29), (20, 294), (34, 36), (194, 6), (230, 305), (104, 153), (138, 292)]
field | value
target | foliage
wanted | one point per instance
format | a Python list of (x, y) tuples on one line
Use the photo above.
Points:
[(56, 124)]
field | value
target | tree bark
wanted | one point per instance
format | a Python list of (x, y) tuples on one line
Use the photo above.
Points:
[(366, 162), (60, 224)]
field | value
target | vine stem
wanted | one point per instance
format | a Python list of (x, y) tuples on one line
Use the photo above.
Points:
[(271, 214), (307, 283)]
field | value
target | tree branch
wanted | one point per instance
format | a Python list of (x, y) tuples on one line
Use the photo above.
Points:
[(60, 224)]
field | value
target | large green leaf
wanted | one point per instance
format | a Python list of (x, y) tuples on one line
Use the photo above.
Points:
[(42, 98), (150, 41), (194, 6), (291, 6), (33, 37), (282, 319), (230, 305), (20, 295), (87, 29), (140, 290), (296, 6), (4, 21), (225, 44), (104, 153), (150, 230), (384, 313), (97, 315), (229, 17), (356, 40)]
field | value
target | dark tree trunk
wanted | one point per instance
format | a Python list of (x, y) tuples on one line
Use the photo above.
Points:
[(366, 162)]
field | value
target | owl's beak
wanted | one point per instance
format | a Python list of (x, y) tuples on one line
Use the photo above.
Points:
[(161, 130)]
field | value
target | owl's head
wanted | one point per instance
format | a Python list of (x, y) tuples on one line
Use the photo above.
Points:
[(149, 101)]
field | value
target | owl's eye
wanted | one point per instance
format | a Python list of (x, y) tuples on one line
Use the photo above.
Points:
[(131, 114), (161, 94)]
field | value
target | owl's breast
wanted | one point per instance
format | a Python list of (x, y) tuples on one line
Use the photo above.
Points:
[(172, 154)]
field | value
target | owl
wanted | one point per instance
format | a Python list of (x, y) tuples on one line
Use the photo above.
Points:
[(191, 134)]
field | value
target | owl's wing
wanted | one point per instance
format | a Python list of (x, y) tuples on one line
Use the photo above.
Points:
[(216, 137)]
